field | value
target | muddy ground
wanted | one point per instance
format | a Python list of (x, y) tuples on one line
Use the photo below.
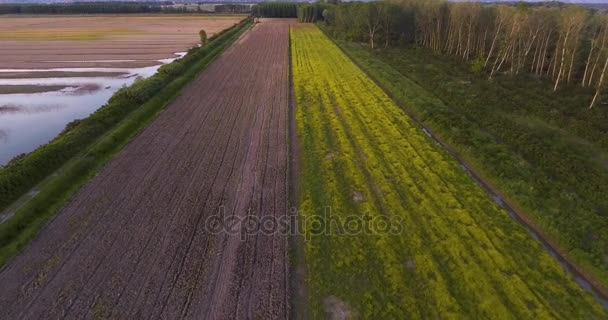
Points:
[(133, 244), (58, 74), (28, 89), (65, 41)]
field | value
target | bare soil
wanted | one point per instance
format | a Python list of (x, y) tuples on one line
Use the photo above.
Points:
[(132, 244), (65, 41), (336, 309), (11, 89), (58, 74)]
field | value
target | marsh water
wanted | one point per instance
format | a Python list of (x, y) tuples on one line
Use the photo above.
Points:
[(28, 120)]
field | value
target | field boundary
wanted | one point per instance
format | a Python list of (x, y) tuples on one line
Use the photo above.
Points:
[(297, 259), (59, 187), (597, 288)]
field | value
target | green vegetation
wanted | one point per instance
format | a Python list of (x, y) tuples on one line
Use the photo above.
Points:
[(305, 12), (91, 142), (81, 8), (515, 89), (311, 12), (275, 10), (232, 8), (567, 44), (203, 35), (457, 253), (542, 150)]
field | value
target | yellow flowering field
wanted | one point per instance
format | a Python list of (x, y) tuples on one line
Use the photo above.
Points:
[(394, 227)]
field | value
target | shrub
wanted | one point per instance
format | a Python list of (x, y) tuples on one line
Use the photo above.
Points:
[(203, 35), (477, 65)]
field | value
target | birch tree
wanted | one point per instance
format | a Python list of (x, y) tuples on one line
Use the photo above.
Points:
[(572, 23), (373, 20), (600, 85)]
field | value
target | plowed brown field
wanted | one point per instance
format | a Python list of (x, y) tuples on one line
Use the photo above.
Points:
[(115, 41), (132, 243)]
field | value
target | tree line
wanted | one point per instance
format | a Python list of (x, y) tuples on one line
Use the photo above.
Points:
[(305, 12), (275, 10), (232, 8), (567, 44), (82, 8), (115, 7)]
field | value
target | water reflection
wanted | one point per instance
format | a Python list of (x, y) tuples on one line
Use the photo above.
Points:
[(28, 120), (14, 109)]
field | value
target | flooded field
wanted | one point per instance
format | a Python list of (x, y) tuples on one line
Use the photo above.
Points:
[(30, 119), (47, 82)]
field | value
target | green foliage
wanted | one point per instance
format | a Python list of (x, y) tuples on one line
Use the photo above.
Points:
[(541, 149), (232, 8), (561, 43), (328, 15), (91, 142), (523, 6), (203, 35), (477, 65), (389, 22), (349, 20), (275, 10), (308, 12), (80, 8), (458, 255)]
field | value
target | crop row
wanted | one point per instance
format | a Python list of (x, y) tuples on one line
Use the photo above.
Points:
[(450, 251)]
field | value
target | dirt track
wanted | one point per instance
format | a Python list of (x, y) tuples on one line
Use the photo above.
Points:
[(132, 244)]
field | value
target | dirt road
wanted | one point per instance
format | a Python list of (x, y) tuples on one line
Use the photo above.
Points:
[(133, 243)]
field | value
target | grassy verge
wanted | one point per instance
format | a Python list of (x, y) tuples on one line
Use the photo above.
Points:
[(400, 229), (544, 151), (119, 130)]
